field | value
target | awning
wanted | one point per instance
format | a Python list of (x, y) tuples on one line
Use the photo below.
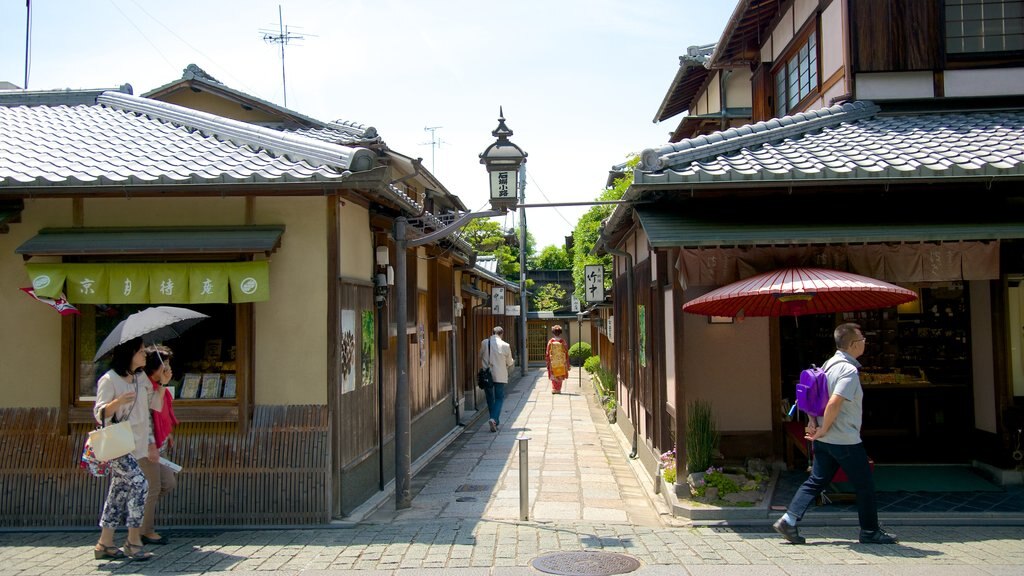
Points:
[(665, 229), (153, 283), (182, 240)]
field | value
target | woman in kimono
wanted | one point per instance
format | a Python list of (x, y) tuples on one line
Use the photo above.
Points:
[(557, 357)]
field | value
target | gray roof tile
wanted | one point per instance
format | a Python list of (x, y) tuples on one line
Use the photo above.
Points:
[(130, 140), (848, 141)]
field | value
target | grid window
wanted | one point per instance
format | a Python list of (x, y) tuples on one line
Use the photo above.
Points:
[(798, 77), (984, 26)]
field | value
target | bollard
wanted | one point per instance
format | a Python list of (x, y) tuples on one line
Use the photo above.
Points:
[(524, 477)]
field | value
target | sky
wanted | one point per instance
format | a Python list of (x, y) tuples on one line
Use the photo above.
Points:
[(579, 81)]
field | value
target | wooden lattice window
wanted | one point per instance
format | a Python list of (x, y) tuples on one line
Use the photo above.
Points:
[(796, 77), (974, 26)]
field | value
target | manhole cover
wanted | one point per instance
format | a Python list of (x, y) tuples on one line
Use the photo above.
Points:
[(466, 499), (585, 563)]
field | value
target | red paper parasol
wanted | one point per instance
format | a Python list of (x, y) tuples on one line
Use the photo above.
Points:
[(798, 291)]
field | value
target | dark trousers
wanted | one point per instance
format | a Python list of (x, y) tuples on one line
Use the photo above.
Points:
[(828, 458), (495, 398)]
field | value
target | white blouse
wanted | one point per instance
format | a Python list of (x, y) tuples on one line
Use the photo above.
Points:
[(112, 385)]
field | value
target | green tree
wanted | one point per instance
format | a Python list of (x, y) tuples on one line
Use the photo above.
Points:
[(550, 297), (488, 237), (553, 258), (587, 230)]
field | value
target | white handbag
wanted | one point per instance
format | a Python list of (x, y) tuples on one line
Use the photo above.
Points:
[(112, 441)]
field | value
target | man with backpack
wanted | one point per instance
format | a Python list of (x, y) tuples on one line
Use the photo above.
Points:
[(837, 444)]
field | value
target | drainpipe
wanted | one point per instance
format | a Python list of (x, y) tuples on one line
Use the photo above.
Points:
[(630, 338)]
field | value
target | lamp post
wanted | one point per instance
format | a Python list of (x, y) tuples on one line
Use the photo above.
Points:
[(505, 164), (579, 342), (503, 156)]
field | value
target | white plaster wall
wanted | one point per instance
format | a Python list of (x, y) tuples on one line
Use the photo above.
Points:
[(291, 327), (30, 339), (729, 366), (832, 44), (782, 34), (894, 85), (982, 367), (670, 348), (990, 82), (356, 250), (738, 90), (213, 211), (714, 93), (804, 9)]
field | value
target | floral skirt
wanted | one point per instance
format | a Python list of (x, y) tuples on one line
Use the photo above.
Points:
[(126, 498)]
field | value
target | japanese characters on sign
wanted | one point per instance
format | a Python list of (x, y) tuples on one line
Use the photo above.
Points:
[(575, 304), (504, 185), (498, 300), (593, 278)]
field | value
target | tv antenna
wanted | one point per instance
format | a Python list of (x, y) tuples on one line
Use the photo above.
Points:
[(283, 36), (434, 143)]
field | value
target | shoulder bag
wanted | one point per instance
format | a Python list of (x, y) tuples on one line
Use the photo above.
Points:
[(108, 442), (484, 380)]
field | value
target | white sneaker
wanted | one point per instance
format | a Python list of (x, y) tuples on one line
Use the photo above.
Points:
[(493, 425)]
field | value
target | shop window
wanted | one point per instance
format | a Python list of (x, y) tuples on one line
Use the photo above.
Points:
[(983, 26), (209, 360), (796, 77)]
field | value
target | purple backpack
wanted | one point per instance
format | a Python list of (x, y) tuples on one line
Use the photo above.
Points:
[(812, 390)]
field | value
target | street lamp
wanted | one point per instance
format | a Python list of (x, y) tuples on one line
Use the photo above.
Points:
[(505, 165), (503, 156)]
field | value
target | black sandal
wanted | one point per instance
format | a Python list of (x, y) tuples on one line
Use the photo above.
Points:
[(133, 552), (107, 552)]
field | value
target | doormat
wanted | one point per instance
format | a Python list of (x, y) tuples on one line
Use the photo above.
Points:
[(926, 478)]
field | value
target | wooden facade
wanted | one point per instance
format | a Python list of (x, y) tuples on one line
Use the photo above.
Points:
[(889, 51)]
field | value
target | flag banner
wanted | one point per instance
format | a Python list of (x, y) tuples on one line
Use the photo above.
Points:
[(127, 284), (207, 284), (250, 281), (47, 279), (87, 283), (59, 304)]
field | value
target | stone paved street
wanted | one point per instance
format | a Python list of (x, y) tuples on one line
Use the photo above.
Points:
[(584, 495)]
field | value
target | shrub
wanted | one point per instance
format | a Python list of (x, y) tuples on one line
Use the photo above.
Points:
[(701, 436), (591, 364), (579, 352)]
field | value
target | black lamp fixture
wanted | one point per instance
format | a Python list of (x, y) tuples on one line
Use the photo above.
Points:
[(502, 159)]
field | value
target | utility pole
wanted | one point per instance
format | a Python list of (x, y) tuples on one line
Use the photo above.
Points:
[(523, 352), (434, 143), (283, 37), (28, 40)]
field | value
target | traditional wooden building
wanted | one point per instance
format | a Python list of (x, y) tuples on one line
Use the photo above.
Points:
[(885, 139), (275, 225)]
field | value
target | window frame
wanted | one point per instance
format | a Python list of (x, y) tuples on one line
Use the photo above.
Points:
[(231, 410), (800, 40), (989, 58)]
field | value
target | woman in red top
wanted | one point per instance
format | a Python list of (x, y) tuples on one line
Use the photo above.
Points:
[(160, 477), (557, 356)]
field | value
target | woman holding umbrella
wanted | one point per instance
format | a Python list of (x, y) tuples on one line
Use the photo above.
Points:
[(121, 395)]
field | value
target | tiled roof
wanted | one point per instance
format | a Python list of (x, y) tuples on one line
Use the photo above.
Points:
[(851, 141), (128, 140)]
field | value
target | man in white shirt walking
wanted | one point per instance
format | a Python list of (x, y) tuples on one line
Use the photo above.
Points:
[(496, 354)]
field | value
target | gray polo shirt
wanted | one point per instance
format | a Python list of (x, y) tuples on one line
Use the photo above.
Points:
[(844, 380)]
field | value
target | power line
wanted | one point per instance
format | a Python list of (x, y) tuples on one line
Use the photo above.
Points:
[(223, 70), (557, 211)]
